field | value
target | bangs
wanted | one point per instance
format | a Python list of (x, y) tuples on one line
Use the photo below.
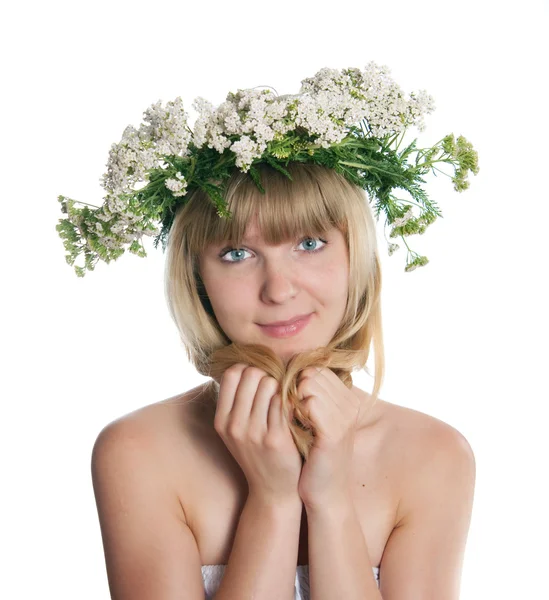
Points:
[(309, 204)]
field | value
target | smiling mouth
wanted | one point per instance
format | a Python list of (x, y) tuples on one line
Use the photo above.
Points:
[(284, 323), (287, 330)]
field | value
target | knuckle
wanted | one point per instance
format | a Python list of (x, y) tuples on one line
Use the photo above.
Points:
[(233, 371), (268, 383), (256, 437), (251, 371), (303, 385), (234, 430), (273, 440), (219, 425)]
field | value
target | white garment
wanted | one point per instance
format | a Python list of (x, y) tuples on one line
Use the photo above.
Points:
[(213, 574)]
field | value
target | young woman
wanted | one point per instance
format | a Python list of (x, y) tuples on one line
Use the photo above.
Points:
[(279, 478)]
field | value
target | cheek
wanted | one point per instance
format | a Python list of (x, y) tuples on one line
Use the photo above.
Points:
[(228, 296), (337, 291), (334, 279)]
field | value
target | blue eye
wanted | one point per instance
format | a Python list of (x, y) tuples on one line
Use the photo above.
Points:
[(313, 240), (231, 251), (234, 251)]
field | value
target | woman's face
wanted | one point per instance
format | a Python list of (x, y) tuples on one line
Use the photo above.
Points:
[(256, 284)]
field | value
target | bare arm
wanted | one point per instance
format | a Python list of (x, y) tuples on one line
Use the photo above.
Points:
[(150, 552), (424, 554), (263, 559), (339, 563), (251, 422)]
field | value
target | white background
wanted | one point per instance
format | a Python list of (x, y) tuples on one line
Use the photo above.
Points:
[(465, 336)]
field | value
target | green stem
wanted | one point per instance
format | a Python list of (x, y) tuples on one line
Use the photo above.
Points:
[(410, 202), (410, 251), (92, 205), (400, 141), (389, 142), (366, 167), (440, 171), (429, 165)]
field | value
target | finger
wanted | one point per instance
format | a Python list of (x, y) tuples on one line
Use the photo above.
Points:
[(227, 390), (245, 395), (321, 412), (327, 393), (260, 410), (275, 418)]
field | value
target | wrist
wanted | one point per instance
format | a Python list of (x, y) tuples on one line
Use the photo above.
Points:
[(340, 504), (275, 503)]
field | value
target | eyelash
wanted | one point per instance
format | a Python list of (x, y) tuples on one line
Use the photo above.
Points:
[(227, 250)]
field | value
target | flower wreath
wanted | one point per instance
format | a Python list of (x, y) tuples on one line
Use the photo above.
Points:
[(352, 121)]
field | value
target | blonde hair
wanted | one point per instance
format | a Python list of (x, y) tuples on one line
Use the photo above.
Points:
[(316, 199)]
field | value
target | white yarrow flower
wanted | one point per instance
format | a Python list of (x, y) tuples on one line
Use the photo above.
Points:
[(177, 186), (246, 151)]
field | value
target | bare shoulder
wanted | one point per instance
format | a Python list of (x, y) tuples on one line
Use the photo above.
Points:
[(423, 430), (425, 448), (150, 548), (156, 435), (159, 420)]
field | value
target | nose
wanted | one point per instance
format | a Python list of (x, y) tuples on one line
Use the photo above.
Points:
[(279, 284)]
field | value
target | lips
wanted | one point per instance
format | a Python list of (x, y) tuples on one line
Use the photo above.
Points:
[(288, 322), (289, 329)]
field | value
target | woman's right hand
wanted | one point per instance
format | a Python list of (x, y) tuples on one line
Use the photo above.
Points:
[(250, 421)]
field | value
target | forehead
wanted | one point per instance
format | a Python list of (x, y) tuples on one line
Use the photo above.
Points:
[(252, 233)]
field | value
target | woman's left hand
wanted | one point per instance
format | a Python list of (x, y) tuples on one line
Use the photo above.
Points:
[(334, 410)]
